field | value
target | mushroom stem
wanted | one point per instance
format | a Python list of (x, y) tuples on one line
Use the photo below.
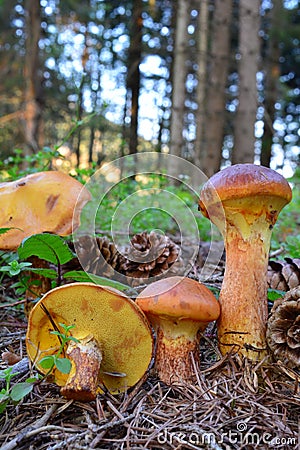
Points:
[(244, 201), (86, 357), (38, 285), (177, 347), (242, 323)]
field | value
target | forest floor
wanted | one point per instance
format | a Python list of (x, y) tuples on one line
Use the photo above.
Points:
[(233, 404)]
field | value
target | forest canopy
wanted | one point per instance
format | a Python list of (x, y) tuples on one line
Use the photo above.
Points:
[(215, 82)]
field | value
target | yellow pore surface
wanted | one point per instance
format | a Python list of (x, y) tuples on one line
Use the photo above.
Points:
[(110, 317)]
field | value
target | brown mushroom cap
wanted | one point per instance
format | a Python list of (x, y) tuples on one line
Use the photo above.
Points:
[(244, 180), (178, 308), (111, 318), (43, 201), (179, 298)]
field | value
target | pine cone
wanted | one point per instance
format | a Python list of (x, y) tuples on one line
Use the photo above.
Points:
[(98, 255), (283, 329), (284, 275), (150, 255)]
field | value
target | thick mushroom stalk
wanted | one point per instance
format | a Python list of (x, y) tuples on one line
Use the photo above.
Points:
[(86, 357), (179, 310), (177, 348), (244, 202), (113, 342)]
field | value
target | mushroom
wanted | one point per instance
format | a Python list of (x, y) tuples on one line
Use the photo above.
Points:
[(115, 340), (43, 201), (39, 202), (178, 308), (244, 201)]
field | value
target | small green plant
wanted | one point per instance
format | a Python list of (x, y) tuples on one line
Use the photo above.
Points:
[(12, 168), (51, 248), (49, 362), (12, 267), (286, 231), (15, 267), (292, 246), (15, 393), (54, 249)]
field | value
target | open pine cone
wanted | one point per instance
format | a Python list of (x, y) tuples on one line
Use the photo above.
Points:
[(150, 255), (284, 275), (98, 255), (283, 329)]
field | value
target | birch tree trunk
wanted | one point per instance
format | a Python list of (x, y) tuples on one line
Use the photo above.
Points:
[(219, 60), (249, 49), (179, 78), (32, 107)]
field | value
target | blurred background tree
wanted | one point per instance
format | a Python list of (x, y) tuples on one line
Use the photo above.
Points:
[(215, 82)]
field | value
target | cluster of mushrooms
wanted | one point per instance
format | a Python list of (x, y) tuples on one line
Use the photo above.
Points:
[(114, 344)]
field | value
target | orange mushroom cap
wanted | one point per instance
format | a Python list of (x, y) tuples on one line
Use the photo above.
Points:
[(179, 298), (39, 202), (178, 309)]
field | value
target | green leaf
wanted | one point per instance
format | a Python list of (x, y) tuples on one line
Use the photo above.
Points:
[(8, 373), (21, 265), (80, 275), (10, 270), (274, 294), (56, 333), (3, 404), (5, 230), (47, 362), (292, 244), (72, 338), (49, 247), (19, 391), (65, 327), (63, 365), (3, 395), (47, 273), (31, 380)]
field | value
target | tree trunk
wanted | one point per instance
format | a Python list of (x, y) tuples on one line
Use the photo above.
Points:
[(91, 144), (134, 75), (79, 118), (272, 75), (202, 78), (179, 78), (32, 107), (216, 91), (249, 46)]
